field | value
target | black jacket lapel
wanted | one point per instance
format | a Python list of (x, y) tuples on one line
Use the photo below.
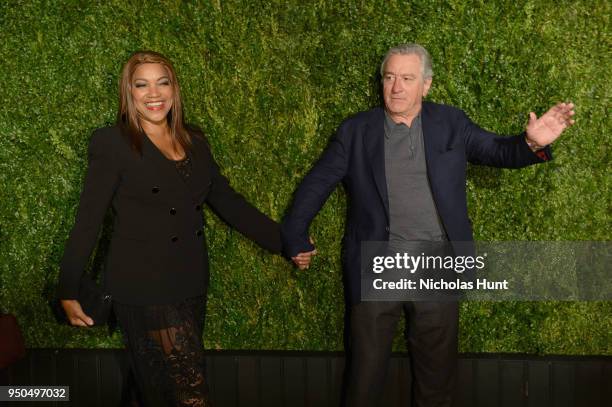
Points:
[(432, 140), (374, 144), (166, 171)]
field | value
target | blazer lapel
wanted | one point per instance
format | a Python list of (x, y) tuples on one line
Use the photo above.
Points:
[(199, 181), (374, 144), (165, 169), (431, 140)]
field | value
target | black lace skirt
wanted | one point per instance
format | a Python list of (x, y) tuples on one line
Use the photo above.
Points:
[(166, 353)]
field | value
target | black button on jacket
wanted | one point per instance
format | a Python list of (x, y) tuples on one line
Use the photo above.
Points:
[(154, 256)]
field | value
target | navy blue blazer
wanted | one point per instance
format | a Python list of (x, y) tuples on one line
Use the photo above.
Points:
[(355, 156)]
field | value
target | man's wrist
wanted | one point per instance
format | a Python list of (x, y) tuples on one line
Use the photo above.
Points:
[(533, 146)]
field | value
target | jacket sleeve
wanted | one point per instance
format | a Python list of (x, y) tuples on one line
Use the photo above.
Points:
[(238, 213), (101, 180), (486, 148), (313, 191)]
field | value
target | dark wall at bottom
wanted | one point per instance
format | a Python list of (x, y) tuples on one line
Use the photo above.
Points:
[(269, 379)]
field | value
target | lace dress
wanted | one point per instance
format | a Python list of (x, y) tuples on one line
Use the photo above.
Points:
[(164, 343)]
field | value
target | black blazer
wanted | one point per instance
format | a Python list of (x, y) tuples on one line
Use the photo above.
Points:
[(355, 156), (157, 252)]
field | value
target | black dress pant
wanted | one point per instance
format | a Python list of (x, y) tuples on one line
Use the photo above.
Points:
[(432, 329)]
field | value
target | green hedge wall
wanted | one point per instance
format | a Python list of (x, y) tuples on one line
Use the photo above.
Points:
[(269, 81)]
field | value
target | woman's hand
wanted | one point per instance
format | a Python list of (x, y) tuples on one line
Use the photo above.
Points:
[(75, 313), (302, 260)]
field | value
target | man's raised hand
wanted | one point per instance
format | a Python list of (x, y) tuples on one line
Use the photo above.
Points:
[(550, 125)]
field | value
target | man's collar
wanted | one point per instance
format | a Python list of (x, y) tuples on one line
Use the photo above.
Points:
[(390, 124)]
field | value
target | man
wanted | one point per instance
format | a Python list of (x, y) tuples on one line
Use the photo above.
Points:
[(404, 168)]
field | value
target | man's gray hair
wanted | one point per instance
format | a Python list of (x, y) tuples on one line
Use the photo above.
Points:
[(409, 49)]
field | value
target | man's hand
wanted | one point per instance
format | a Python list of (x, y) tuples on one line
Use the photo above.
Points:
[(75, 313), (550, 125), (302, 260)]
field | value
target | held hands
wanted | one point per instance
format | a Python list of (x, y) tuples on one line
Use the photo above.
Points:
[(543, 131), (302, 260), (75, 313)]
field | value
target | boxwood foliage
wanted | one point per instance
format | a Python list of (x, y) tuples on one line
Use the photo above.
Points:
[(269, 82)]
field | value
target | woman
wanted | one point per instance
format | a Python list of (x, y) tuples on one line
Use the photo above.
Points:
[(156, 174)]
